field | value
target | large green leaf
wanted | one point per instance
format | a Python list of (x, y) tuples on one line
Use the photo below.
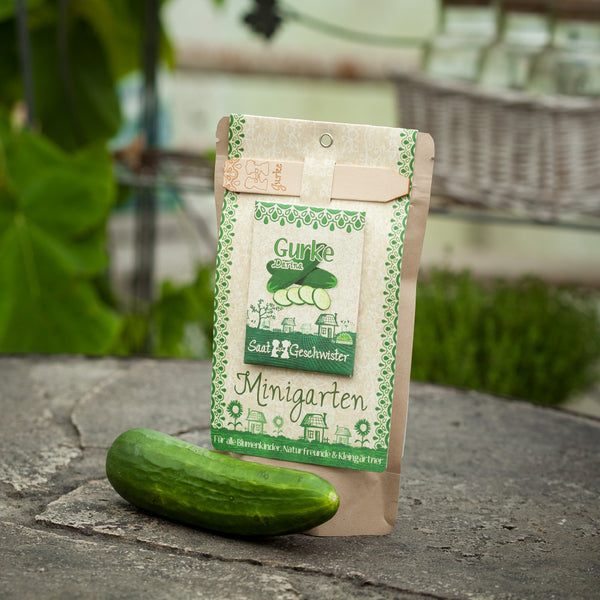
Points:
[(76, 99), (53, 212)]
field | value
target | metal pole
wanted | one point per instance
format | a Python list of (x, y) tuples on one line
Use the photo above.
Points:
[(146, 209), (26, 66)]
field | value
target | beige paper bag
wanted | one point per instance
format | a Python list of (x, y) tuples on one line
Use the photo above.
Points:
[(313, 169)]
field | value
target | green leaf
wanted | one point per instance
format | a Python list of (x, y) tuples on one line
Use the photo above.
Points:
[(76, 98), (53, 212), (53, 195), (183, 318), (120, 25), (67, 319)]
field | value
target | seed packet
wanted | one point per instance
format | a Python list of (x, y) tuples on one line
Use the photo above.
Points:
[(321, 227)]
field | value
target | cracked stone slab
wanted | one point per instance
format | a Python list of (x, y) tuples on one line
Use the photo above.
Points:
[(43, 564), (437, 548), (497, 501), (36, 436), (170, 396)]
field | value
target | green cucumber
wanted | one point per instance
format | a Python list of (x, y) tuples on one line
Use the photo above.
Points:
[(319, 278), (177, 480), (321, 299), (283, 278)]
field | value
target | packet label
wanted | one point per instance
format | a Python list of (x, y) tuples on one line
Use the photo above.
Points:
[(304, 287)]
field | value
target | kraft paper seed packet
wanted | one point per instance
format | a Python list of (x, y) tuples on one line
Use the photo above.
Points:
[(321, 227)]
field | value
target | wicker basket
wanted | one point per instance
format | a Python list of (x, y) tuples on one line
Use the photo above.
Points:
[(538, 157)]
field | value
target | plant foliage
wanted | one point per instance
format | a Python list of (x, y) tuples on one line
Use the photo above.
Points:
[(525, 339), (183, 318), (56, 184), (53, 212), (78, 54)]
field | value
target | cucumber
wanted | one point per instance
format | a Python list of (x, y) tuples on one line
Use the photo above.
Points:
[(319, 278), (321, 299), (280, 297), (283, 278), (306, 294), (202, 488), (310, 274), (293, 295)]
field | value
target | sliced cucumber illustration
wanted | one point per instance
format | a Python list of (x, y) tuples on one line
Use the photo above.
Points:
[(280, 297), (306, 294), (293, 295), (321, 299)]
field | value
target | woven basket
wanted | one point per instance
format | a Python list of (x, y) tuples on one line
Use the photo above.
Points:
[(538, 157)]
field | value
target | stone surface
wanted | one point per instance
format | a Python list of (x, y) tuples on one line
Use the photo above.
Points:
[(37, 396), (44, 564), (172, 399), (499, 499)]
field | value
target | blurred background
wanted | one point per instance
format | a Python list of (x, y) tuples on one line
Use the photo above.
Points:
[(108, 112)]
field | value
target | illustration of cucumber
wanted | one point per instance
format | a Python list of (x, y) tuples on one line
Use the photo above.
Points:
[(306, 294), (283, 278), (293, 295), (280, 298), (321, 299), (319, 278)]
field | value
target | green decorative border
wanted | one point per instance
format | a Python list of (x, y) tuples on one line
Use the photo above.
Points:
[(311, 216), (221, 307), (236, 136), (391, 294), (223, 280)]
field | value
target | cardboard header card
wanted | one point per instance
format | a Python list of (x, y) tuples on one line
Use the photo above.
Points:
[(311, 260)]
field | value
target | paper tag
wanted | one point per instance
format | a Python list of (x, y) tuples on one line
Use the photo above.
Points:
[(304, 288), (285, 178)]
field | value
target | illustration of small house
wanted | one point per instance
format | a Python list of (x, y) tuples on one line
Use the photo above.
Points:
[(266, 324), (327, 324), (288, 324), (342, 435), (256, 421), (314, 427)]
